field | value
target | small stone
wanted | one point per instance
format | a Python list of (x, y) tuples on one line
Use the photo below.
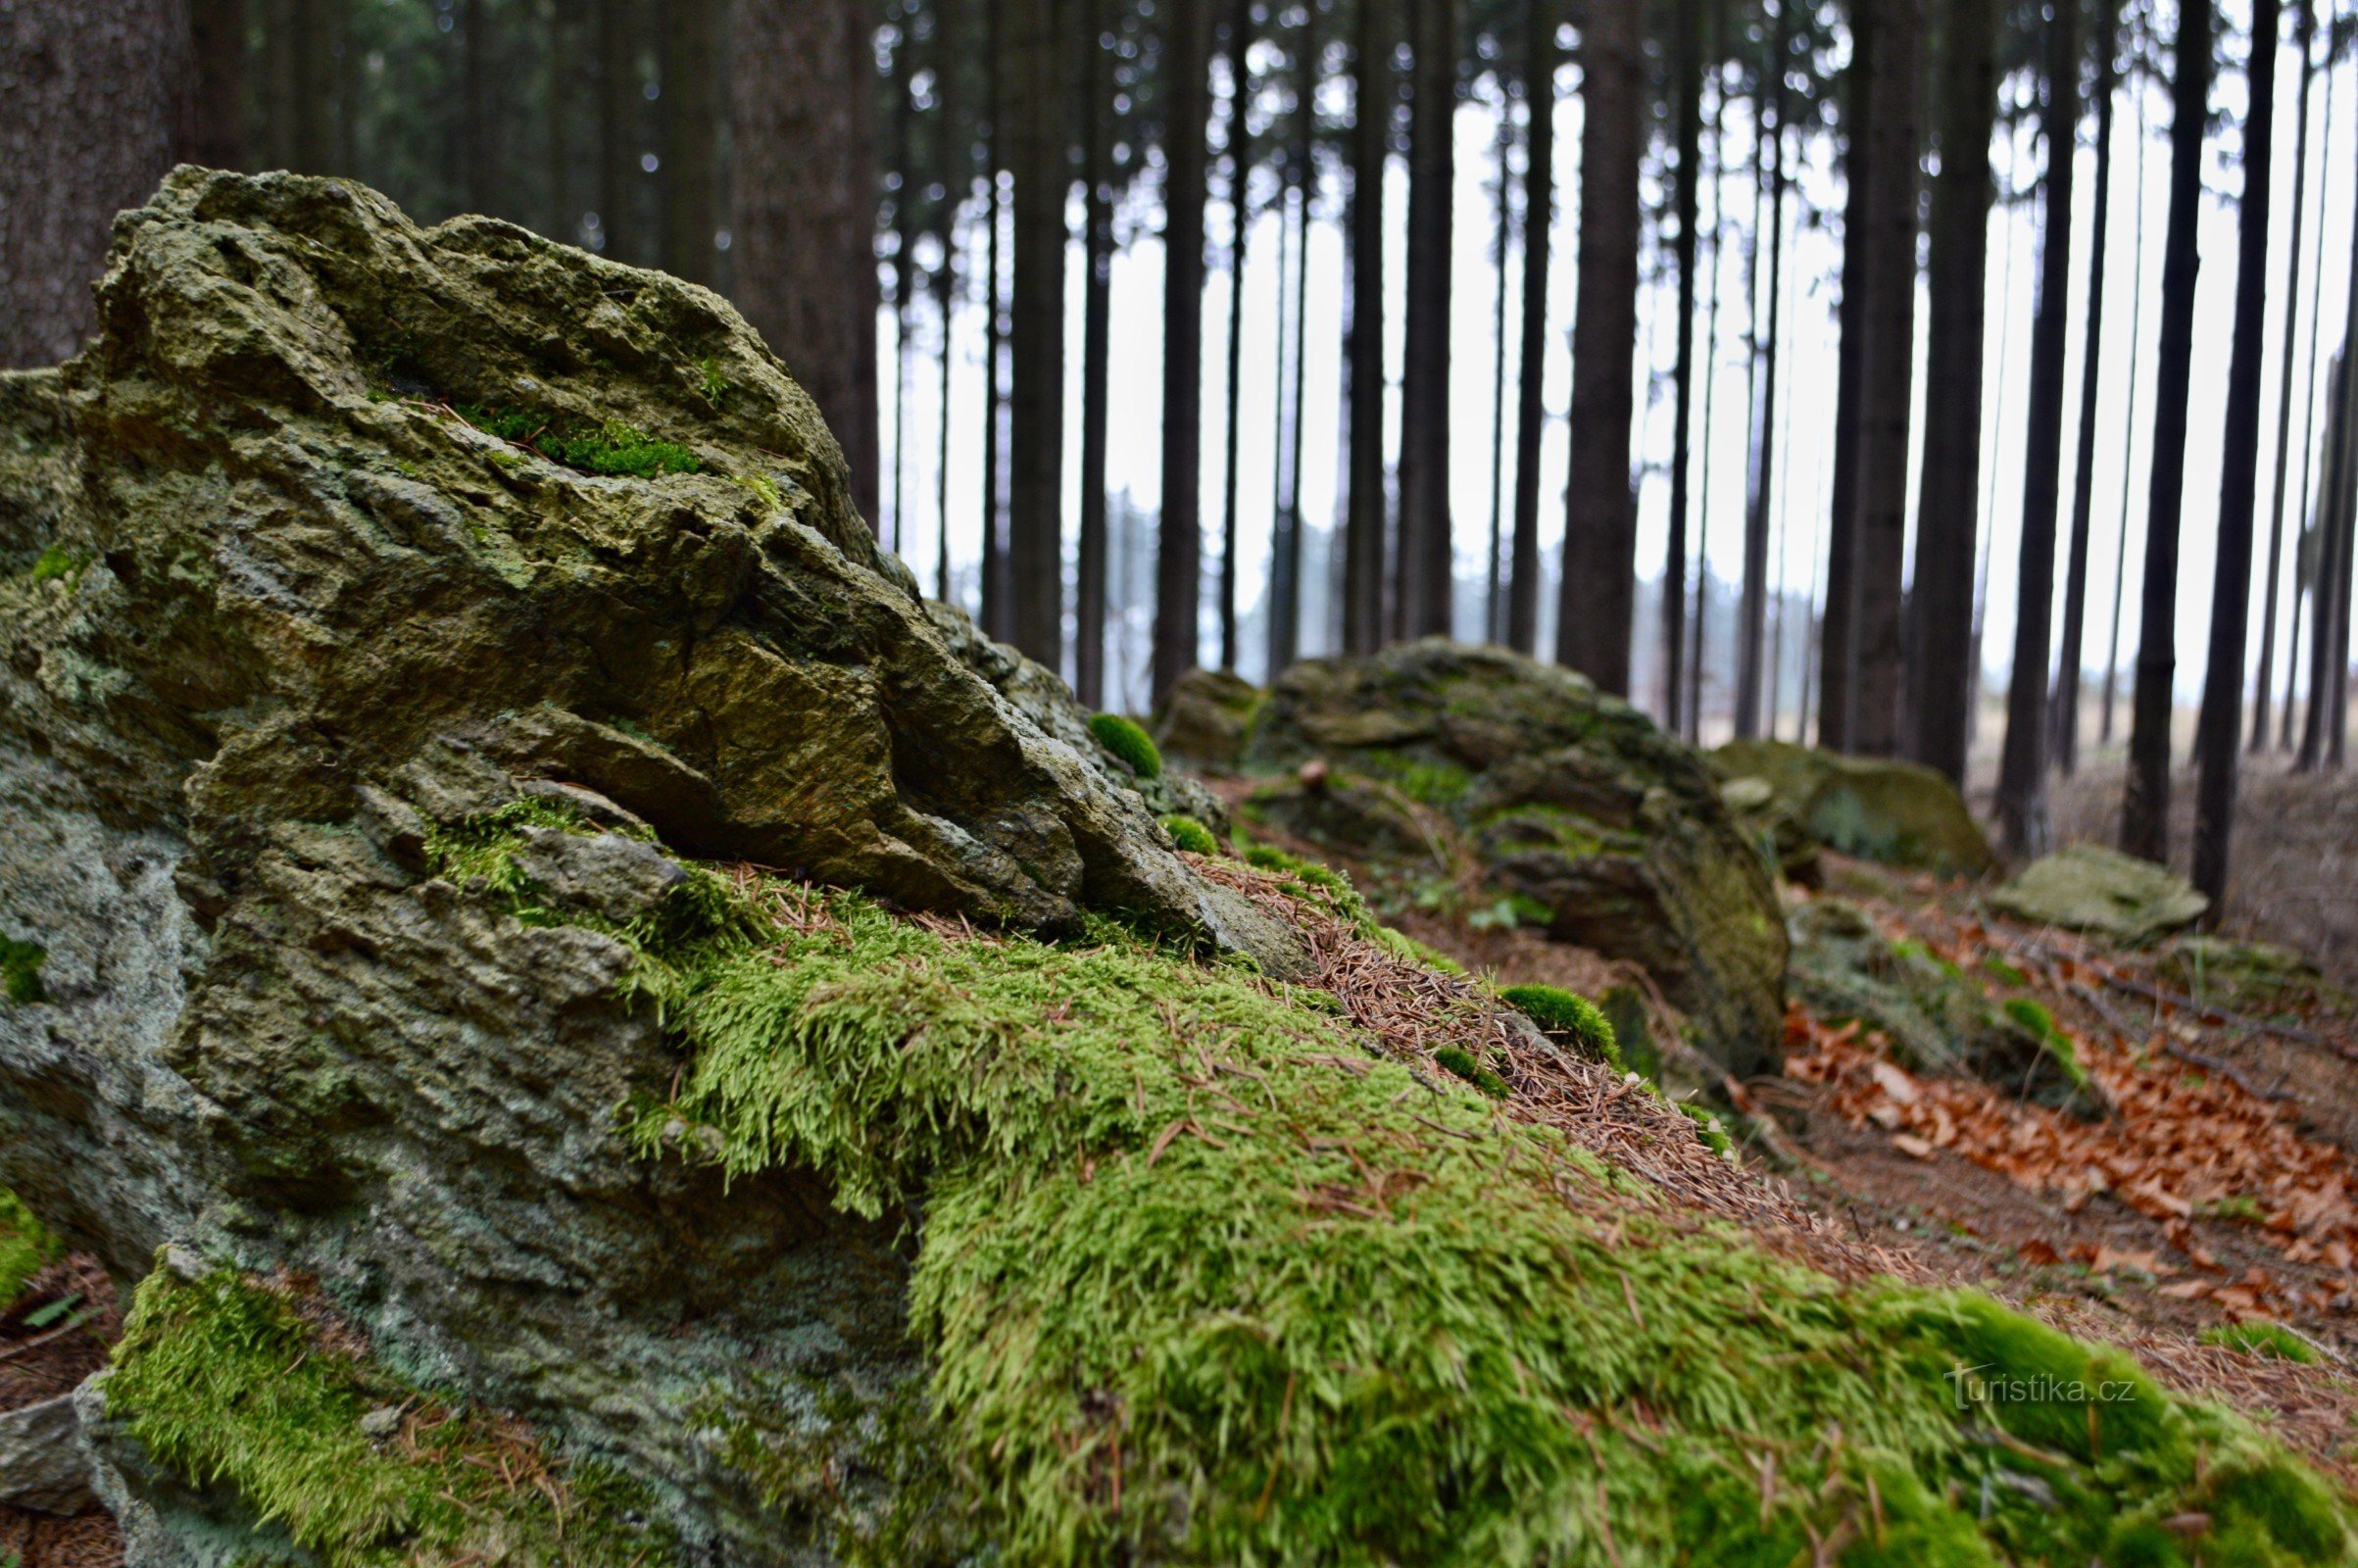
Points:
[(379, 1425), (184, 1261), (1313, 773)]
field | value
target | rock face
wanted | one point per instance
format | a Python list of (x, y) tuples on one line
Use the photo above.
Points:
[(341, 540), (1877, 808), (1613, 834), (2085, 887), (1204, 721)]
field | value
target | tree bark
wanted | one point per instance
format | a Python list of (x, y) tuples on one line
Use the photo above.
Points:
[(2332, 572), (1179, 565), (954, 161), (1427, 565), (1363, 563), (479, 131), (1539, 60), (1700, 621), (2219, 730), (1597, 597), (1037, 154), (802, 114), (2304, 33), (2137, 315), (2145, 808), (1240, 190), (1492, 618), (2022, 784), (1837, 659), (2303, 518), (2065, 709), (1769, 116), (312, 87), (98, 99), (1284, 562), (1096, 322), (621, 99), (218, 44), (993, 598), (692, 145), (1949, 502), (1687, 84)]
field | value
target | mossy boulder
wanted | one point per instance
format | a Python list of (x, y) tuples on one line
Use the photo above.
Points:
[(2088, 888), (1204, 721), (1573, 802), (1875, 808)]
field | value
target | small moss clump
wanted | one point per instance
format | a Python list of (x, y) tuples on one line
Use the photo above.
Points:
[(2262, 1339), (59, 563), (1708, 1128), (610, 448), (1191, 835), (1463, 1064), (20, 971), (1570, 1016), (1125, 740), (27, 1247)]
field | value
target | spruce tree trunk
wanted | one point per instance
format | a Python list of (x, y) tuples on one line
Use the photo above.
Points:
[(803, 119), (1097, 320), (2137, 315), (1949, 502), (1769, 117), (692, 144), (98, 99), (478, 126), (1686, 86), (311, 100), (2310, 477), (1539, 60), (1837, 654), (620, 97), (1179, 564), (1363, 562), (1427, 564), (217, 30), (1037, 149), (2021, 782), (954, 156), (1239, 157), (561, 207), (992, 571), (1596, 600), (1493, 612), (2218, 732), (1285, 563), (2304, 33), (2065, 712), (1710, 373), (2328, 637), (2145, 808)]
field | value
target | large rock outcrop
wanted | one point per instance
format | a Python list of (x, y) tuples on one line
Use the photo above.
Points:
[(1609, 833)]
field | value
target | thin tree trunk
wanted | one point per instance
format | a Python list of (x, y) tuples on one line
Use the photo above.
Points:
[(1595, 601), (1427, 564), (1770, 116), (1179, 564), (98, 100), (312, 59), (1539, 60), (1281, 524), (2331, 571), (692, 145), (1240, 181), (275, 86), (955, 161), (2065, 710), (217, 31), (1838, 661), (1492, 618), (1710, 374), (1097, 324), (2136, 313), (1363, 563), (1686, 89), (905, 235), (2303, 518), (1949, 501), (2145, 809), (480, 133), (1038, 149), (2304, 33), (1285, 566), (561, 211), (2219, 730), (996, 617), (2022, 785), (619, 100)]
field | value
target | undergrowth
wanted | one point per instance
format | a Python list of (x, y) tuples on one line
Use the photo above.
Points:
[(27, 1247)]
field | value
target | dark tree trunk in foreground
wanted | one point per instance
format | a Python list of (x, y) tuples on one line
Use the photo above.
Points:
[(2065, 713), (1759, 482), (2304, 33), (2022, 779), (2218, 732), (803, 118), (1426, 565), (692, 144), (1179, 562), (1240, 181), (1530, 407), (98, 102), (1037, 144), (1838, 659), (1949, 501), (217, 31), (1363, 564), (2145, 807), (1687, 88), (1595, 603), (1096, 322)]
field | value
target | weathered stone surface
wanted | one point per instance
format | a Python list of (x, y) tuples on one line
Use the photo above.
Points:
[(42, 1466), (1877, 808), (1572, 800), (2085, 887), (1206, 720), (273, 617)]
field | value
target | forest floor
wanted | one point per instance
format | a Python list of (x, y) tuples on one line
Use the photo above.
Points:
[(52, 1337)]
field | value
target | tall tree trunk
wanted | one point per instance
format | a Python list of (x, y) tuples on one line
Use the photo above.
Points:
[(1427, 563), (954, 161), (1687, 88), (1838, 658), (1285, 563), (2303, 518), (561, 210), (1285, 416), (1179, 566), (312, 125), (1878, 649), (479, 131), (1493, 622), (2137, 315), (997, 615), (1597, 596), (1769, 142), (802, 114), (1037, 153), (619, 100), (2064, 712), (1240, 217), (2218, 732), (2328, 636), (275, 83), (2304, 33), (1539, 60), (1363, 563), (692, 144), (217, 30), (1949, 502), (2145, 809), (2022, 783), (1097, 323), (98, 99), (1710, 373), (903, 163)]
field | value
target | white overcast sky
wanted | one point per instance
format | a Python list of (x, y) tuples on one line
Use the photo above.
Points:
[(2122, 443)]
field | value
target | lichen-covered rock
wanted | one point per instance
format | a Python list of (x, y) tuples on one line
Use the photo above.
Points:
[(1610, 832), (1875, 808), (2085, 887), (1206, 718)]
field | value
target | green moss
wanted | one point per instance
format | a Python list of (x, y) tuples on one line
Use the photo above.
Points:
[(1323, 1315), (27, 1247), (1191, 835), (2040, 1023), (1708, 1128), (610, 448), (1463, 1064), (226, 1385), (2003, 972), (1125, 740), (1573, 1018), (1434, 782), (713, 384), (2261, 1339), (762, 485), (57, 563), (20, 971)]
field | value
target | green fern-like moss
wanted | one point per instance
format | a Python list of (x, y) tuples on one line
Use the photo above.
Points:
[(1571, 1016), (1124, 739)]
